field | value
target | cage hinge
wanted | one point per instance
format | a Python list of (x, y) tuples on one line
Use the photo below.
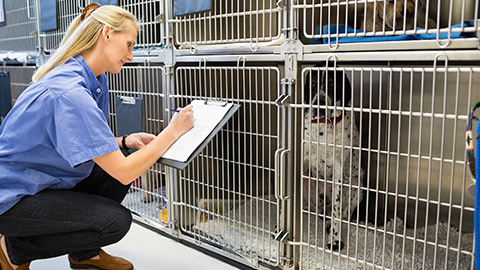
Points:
[(288, 81), (292, 46), (287, 261), (478, 34)]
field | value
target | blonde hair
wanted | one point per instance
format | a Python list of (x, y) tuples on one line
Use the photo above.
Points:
[(82, 35)]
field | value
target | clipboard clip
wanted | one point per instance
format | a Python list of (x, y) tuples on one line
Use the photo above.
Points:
[(128, 100), (217, 103), (3, 72)]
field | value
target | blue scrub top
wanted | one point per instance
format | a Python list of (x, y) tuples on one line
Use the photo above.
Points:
[(57, 126)]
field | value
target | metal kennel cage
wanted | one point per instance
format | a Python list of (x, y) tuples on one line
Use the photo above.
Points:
[(251, 195), (67, 10), (150, 13), (416, 212), (146, 83), (226, 196), (251, 24), (374, 24), (151, 34), (19, 31)]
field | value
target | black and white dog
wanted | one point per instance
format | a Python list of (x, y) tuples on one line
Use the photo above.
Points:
[(333, 183)]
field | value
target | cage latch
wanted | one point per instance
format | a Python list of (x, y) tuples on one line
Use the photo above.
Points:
[(281, 101), (160, 18), (284, 98), (281, 236)]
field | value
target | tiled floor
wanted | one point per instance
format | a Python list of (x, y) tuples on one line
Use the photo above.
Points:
[(148, 250)]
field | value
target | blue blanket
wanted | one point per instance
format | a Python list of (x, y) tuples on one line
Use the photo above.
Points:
[(107, 2), (342, 30)]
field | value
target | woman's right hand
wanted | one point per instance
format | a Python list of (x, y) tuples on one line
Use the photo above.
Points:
[(182, 121)]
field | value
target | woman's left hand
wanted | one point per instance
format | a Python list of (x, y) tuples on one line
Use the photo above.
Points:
[(139, 140)]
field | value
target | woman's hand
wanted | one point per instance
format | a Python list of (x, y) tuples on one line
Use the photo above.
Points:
[(182, 121), (138, 140), (126, 169)]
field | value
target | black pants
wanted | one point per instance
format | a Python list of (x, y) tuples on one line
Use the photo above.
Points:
[(77, 222)]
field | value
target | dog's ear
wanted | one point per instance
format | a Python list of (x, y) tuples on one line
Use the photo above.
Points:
[(379, 9), (306, 88), (311, 84), (339, 87), (422, 5), (347, 91)]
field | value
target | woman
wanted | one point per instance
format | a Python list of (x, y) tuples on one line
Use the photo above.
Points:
[(62, 173)]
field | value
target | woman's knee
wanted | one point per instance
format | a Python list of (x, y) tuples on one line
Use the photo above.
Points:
[(125, 220), (117, 222)]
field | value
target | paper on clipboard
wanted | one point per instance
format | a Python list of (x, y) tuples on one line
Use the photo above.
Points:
[(205, 117)]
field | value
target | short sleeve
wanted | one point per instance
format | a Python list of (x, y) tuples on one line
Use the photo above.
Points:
[(81, 132)]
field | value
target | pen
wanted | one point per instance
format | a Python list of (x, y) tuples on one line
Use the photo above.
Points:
[(172, 110)]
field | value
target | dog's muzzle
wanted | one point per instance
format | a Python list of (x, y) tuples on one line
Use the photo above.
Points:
[(330, 120)]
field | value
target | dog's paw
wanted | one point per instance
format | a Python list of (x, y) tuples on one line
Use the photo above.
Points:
[(335, 246)]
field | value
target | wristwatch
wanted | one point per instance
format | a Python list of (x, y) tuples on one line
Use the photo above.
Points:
[(124, 145)]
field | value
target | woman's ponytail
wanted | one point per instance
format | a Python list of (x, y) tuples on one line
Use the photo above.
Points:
[(83, 33)]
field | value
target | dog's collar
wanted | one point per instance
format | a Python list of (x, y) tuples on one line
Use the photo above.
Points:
[(329, 120)]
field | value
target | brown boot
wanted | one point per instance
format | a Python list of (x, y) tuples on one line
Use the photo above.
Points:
[(5, 265), (106, 262), (25, 266)]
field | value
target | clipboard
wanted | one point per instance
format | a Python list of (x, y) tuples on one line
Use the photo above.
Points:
[(5, 95), (180, 164), (48, 15), (186, 7), (129, 115)]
